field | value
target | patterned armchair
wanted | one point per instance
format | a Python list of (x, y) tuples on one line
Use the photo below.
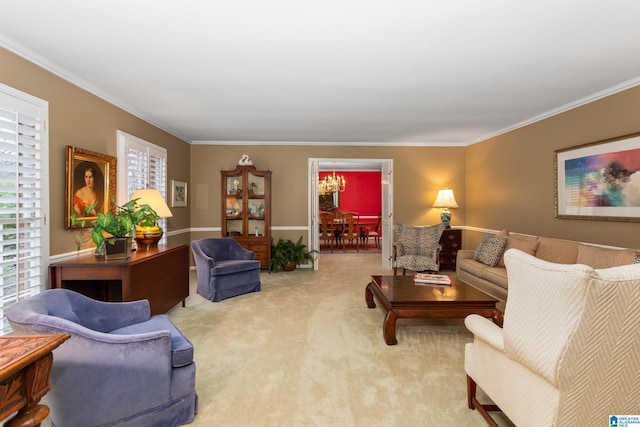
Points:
[(417, 248), (569, 352)]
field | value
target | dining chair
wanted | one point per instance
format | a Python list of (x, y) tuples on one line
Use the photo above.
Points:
[(327, 228), (351, 230), (339, 225), (375, 232)]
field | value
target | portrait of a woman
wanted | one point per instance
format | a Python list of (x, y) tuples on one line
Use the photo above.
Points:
[(88, 184)]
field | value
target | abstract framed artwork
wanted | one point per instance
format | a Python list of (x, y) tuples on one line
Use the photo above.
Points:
[(599, 181), (178, 194), (90, 178)]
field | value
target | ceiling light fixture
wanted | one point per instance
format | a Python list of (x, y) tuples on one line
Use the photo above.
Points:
[(330, 185)]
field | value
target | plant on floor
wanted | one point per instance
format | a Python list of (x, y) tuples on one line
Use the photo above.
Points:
[(286, 255), (119, 224)]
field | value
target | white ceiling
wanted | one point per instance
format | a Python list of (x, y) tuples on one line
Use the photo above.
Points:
[(334, 71)]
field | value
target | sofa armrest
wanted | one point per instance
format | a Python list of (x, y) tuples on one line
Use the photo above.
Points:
[(485, 330), (465, 254)]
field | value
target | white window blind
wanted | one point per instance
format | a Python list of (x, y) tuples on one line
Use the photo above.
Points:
[(24, 198), (145, 166)]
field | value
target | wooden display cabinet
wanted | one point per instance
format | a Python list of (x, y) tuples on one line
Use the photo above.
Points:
[(246, 209)]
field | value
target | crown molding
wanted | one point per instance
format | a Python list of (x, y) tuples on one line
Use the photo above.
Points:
[(67, 75), (564, 108)]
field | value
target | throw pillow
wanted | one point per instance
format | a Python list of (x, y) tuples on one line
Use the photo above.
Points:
[(525, 245), (636, 260), (598, 257), (490, 250)]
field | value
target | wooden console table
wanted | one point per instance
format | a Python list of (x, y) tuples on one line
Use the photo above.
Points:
[(25, 364), (160, 275)]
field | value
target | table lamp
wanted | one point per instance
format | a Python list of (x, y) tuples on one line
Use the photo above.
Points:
[(445, 200), (233, 207), (147, 236)]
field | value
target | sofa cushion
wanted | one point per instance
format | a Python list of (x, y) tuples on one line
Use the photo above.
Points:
[(557, 250), (497, 275), (597, 257), (527, 245), (490, 249), (181, 347)]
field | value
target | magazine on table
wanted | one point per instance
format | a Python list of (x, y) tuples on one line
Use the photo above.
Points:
[(431, 279)]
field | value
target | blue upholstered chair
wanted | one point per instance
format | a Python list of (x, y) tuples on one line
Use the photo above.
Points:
[(225, 269), (121, 365)]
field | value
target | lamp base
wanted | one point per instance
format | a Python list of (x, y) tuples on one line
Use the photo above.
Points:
[(147, 237), (445, 217)]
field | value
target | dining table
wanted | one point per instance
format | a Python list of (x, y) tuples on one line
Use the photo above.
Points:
[(338, 228)]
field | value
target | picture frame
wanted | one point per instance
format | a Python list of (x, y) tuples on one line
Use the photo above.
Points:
[(178, 194), (329, 201), (599, 180), (90, 177)]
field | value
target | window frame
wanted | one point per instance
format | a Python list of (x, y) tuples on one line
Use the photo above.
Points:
[(33, 166), (127, 141)]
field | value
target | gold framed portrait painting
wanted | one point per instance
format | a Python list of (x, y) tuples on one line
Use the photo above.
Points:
[(90, 179)]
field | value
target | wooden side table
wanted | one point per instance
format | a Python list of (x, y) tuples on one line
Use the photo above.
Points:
[(451, 242), (25, 364)]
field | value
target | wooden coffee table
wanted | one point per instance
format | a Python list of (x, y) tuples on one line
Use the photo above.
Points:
[(402, 298)]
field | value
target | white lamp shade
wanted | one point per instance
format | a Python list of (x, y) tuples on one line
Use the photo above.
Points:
[(153, 198), (445, 199)]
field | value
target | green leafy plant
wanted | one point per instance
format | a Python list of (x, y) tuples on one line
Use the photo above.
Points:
[(286, 252), (118, 224)]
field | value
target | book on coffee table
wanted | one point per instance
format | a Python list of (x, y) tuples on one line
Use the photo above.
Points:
[(431, 279)]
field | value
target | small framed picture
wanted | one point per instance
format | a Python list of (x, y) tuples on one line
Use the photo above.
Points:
[(178, 194), (90, 181)]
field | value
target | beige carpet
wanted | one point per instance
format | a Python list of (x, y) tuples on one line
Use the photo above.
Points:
[(306, 351)]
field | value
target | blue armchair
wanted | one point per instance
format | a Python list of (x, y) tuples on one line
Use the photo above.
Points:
[(225, 269), (121, 365)]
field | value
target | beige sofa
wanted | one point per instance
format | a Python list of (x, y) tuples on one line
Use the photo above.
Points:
[(493, 279)]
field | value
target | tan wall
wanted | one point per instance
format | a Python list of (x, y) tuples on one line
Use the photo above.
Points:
[(506, 181), (419, 173), (80, 119), (510, 178)]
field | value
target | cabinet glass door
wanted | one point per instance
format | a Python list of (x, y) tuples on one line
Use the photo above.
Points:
[(234, 206), (256, 204)]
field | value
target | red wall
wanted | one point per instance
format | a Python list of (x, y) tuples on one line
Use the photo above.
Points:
[(363, 193)]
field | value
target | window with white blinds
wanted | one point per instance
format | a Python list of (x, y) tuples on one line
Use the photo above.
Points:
[(24, 198), (141, 164)]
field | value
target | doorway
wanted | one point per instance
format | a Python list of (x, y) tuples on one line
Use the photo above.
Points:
[(385, 166)]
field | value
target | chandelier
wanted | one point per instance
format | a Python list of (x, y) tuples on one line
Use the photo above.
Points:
[(330, 185)]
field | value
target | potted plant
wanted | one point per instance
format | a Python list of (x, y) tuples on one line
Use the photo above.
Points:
[(110, 226), (287, 255)]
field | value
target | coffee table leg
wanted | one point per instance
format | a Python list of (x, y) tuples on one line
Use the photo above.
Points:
[(368, 296), (389, 328)]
